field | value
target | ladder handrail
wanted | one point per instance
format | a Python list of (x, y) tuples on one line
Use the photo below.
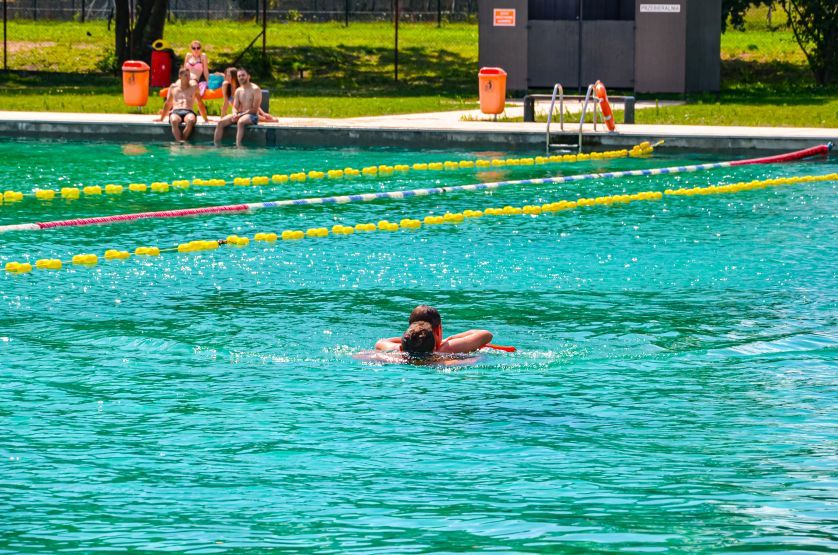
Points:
[(589, 98), (595, 99), (556, 88)]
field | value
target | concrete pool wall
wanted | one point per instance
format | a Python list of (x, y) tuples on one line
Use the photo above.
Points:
[(412, 131)]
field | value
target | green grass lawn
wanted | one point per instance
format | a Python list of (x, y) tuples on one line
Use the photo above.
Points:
[(328, 70), (765, 82), (317, 69)]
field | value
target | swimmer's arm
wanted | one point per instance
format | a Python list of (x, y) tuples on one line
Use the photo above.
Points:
[(465, 342), (389, 344)]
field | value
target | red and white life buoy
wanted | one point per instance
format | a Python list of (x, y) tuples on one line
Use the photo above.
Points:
[(599, 89)]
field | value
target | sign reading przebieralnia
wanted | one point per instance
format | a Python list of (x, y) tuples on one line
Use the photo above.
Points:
[(660, 8)]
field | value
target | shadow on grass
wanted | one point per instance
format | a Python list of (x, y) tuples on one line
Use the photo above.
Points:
[(358, 71), (364, 71), (759, 83), (783, 76), (23, 81)]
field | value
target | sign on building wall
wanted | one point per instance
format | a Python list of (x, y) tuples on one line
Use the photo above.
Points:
[(660, 8), (504, 17)]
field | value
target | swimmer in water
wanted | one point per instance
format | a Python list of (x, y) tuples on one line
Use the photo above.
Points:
[(424, 336)]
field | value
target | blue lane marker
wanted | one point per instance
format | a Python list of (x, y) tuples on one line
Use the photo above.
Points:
[(495, 185)]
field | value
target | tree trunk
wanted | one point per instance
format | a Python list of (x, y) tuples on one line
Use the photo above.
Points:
[(815, 27), (134, 38), (151, 20), (122, 28)]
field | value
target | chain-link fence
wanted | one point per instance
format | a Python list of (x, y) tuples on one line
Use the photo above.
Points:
[(278, 10)]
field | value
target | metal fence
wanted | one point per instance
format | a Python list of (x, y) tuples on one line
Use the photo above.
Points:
[(278, 10)]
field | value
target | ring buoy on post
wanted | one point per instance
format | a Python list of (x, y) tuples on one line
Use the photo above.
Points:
[(599, 89)]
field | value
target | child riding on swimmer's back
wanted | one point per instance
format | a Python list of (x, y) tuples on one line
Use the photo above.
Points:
[(424, 336)]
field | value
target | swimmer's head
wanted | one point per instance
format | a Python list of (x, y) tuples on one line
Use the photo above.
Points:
[(425, 313), (419, 339), (183, 73)]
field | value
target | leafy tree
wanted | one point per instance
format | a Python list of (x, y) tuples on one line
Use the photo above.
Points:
[(815, 26), (138, 23), (735, 11)]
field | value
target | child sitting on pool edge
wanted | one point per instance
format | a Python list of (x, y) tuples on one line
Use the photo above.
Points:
[(424, 336)]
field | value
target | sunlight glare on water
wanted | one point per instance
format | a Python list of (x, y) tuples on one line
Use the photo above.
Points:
[(674, 388)]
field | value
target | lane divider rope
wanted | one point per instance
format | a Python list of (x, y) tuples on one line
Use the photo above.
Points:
[(89, 259), (383, 170), (401, 195)]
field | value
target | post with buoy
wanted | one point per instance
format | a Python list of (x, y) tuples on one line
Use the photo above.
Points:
[(5, 19), (396, 45), (579, 50), (265, 36)]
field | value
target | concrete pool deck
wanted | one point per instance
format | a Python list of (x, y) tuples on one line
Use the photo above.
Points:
[(434, 130)]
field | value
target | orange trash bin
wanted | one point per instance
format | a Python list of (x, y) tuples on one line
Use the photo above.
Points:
[(135, 83), (492, 90)]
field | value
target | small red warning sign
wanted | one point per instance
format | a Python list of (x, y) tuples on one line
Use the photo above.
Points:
[(504, 17)]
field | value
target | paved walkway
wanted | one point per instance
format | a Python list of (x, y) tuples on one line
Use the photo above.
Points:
[(514, 109), (438, 129)]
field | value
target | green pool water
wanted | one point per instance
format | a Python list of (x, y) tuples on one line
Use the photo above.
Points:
[(674, 388)]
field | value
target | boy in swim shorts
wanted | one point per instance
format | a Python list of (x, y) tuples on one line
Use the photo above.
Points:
[(424, 336), (181, 98)]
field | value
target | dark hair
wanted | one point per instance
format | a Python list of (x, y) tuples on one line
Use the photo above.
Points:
[(242, 69), (426, 313), (229, 87), (234, 79), (419, 339)]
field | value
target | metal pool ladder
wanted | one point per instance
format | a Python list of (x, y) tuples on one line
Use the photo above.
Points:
[(557, 89), (590, 98)]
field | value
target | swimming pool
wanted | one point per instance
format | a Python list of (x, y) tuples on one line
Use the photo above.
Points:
[(674, 388)]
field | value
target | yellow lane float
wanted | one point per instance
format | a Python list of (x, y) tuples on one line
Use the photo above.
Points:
[(85, 260), (447, 218), (72, 193), (48, 264)]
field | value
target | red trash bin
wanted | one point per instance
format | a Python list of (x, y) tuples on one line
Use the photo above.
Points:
[(492, 90), (135, 83), (161, 68)]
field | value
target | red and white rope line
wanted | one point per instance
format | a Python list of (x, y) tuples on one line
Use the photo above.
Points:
[(401, 195)]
